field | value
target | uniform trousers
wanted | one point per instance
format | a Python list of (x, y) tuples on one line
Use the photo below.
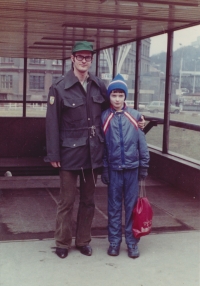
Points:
[(64, 220), (123, 186)]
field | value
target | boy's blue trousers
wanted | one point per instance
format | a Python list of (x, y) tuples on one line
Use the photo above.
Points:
[(123, 184)]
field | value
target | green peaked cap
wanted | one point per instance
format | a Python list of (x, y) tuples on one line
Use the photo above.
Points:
[(82, 46)]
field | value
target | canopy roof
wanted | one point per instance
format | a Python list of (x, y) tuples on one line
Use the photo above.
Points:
[(48, 29)]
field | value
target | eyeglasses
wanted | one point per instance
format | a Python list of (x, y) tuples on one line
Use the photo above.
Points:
[(80, 58)]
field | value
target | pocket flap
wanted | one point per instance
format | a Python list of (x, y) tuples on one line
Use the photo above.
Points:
[(73, 103), (98, 98), (74, 142)]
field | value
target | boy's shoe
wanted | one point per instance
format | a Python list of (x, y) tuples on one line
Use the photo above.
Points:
[(113, 250), (133, 252), (61, 252)]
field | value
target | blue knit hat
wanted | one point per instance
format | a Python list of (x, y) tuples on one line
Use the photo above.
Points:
[(118, 83)]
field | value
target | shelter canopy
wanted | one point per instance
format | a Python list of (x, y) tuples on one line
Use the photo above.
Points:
[(48, 29)]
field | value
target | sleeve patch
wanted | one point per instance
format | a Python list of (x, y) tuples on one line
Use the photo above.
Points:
[(52, 100)]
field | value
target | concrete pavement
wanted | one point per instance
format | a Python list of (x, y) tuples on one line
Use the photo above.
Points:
[(170, 255), (166, 259)]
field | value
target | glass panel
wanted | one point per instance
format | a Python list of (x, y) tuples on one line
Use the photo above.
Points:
[(186, 91), (68, 65), (93, 66), (11, 78), (155, 136), (41, 73), (152, 87), (105, 65), (10, 109), (186, 68), (36, 109), (185, 142), (11, 86), (153, 69), (126, 67)]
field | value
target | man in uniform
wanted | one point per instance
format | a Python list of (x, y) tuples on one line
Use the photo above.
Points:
[(75, 145)]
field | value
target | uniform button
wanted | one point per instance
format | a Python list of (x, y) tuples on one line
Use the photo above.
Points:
[(88, 118), (90, 136), (74, 145), (73, 104)]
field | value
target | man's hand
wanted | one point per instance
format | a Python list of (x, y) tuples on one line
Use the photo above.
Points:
[(55, 164), (141, 123)]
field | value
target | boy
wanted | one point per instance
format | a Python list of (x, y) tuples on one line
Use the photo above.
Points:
[(126, 159)]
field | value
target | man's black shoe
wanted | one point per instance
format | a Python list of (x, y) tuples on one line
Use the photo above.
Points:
[(61, 252), (113, 250), (86, 249)]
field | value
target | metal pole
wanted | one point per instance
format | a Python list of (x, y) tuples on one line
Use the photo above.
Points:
[(137, 73), (97, 63), (63, 66), (114, 61), (167, 92), (195, 62), (24, 87), (180, 73)]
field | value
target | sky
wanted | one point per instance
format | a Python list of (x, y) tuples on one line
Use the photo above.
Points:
[(182, 37)]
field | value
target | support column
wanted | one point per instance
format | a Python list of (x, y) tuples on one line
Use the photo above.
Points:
[(165, 146), (63, 66), (137, 73), (114, 61), (97, 64), (24, 87)]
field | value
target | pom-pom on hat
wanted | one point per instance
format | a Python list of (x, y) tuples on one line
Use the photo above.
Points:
[(82, 46), (118, 83)]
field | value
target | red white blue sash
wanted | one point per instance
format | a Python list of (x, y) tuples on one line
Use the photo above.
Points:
[(132, 119)]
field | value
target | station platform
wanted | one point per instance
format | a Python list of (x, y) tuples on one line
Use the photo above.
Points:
[(170, 255)]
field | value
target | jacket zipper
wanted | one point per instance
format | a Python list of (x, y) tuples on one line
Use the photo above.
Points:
[(121, 139)]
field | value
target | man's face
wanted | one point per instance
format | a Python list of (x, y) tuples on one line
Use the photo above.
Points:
[(117, 98), (82, 61)]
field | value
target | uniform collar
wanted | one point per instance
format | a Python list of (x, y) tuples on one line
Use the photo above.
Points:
[(70, 79)]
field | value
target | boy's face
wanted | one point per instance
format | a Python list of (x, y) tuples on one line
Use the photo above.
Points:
[(117, 98)]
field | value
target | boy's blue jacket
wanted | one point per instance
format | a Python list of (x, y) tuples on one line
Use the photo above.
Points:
[(125, 143)]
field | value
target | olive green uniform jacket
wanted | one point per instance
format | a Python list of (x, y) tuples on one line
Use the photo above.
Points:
[(73, 122)]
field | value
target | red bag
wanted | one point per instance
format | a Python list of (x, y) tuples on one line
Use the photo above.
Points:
[(142, 214)]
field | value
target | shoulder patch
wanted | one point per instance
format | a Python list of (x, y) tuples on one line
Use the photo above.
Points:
[(51, 99)]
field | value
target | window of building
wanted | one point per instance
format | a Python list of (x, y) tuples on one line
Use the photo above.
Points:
[(36, 82), (6, 60), (37, 61), (57, 62), (6, 81)]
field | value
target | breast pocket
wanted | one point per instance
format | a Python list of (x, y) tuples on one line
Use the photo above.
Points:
[(75, 109), (98, 98)]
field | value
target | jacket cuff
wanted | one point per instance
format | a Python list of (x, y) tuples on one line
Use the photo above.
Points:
[(143, 171)]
